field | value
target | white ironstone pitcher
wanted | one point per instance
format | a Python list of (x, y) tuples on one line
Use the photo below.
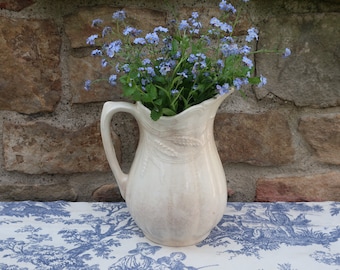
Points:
[(176, 188)]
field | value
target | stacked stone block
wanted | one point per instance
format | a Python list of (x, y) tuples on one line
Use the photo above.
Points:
[(279, 143)]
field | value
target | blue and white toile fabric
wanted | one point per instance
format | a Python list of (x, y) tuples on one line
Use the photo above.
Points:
[(97, 236)]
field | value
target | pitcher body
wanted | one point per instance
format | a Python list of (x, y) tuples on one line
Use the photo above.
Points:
[(176, 188)]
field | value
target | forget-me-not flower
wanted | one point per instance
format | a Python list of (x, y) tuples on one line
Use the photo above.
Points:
[(113, 48), (263, 81), (152, 38), (87, 85), (183, 25), (140, 41), (96, 52), (113, 79), (91, 40), (247, 61), (227, 7), (287, 53), (252, 34), (222, 89), (96, 22), (119, 15)]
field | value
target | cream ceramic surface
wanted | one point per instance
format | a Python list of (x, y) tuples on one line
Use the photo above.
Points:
[(176, 188)]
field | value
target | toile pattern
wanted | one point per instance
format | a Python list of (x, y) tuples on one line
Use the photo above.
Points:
[(96, 236)]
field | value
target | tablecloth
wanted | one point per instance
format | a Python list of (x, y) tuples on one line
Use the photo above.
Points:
[(83, 235)]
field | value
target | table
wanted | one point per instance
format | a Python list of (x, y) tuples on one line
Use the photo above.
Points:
[(79, 235)]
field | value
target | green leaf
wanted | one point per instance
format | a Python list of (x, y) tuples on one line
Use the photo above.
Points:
[(151, 91), (158, 101), (129, 91), (168, 112), (254, 80), (155, 115)]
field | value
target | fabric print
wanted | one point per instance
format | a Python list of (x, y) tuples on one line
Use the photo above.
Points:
[(37, 249), (326, 257), (35, 209), (286, 266), (335, 209), (175, 261), (138, 258), (268, 228), (98, 236)]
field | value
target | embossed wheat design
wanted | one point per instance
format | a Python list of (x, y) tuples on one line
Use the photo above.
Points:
[(185, 141), (166, 149)]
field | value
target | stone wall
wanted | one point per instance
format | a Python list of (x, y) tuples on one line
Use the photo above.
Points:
[(281, 142)]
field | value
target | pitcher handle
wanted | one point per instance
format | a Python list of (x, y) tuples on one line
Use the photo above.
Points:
[(109, 109)]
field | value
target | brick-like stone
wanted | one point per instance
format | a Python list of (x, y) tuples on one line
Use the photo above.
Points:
[(29, 71), (310, 76), (262, 139), (107, 193), (322, 132), (78, 25), (15, 5), (318, 187), (51, 192), (38, 147)]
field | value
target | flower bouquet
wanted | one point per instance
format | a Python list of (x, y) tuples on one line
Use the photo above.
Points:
[(173, 68)]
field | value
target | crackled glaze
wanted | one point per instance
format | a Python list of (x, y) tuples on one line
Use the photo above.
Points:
[(176, 187)]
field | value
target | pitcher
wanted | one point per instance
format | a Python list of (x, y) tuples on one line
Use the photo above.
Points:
[(176, 188)]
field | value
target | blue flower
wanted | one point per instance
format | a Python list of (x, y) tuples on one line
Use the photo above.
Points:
[(229, 49), (245, 49), (194, 15), (216, 22), (227, 7), (247, 61), (226, 27), (96, 22), (183, 25), (152, 38), (227, 39), (91, 40), (106, 30), (174, 91), (119, 15), (151, 71), (238, 82), (177, 55), (139, 41), (222, 89), (96, 52), (220, 63), (192, 58), (164, 69), (104, 63), (252, 34), (206, 39), (161, 29), (87, 85), (183, 74), (146, 61), (126, 68), (113, 79), (196, 28), (263, 81), (113, 48), (131, 31), (194, 70), (287, 53)]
